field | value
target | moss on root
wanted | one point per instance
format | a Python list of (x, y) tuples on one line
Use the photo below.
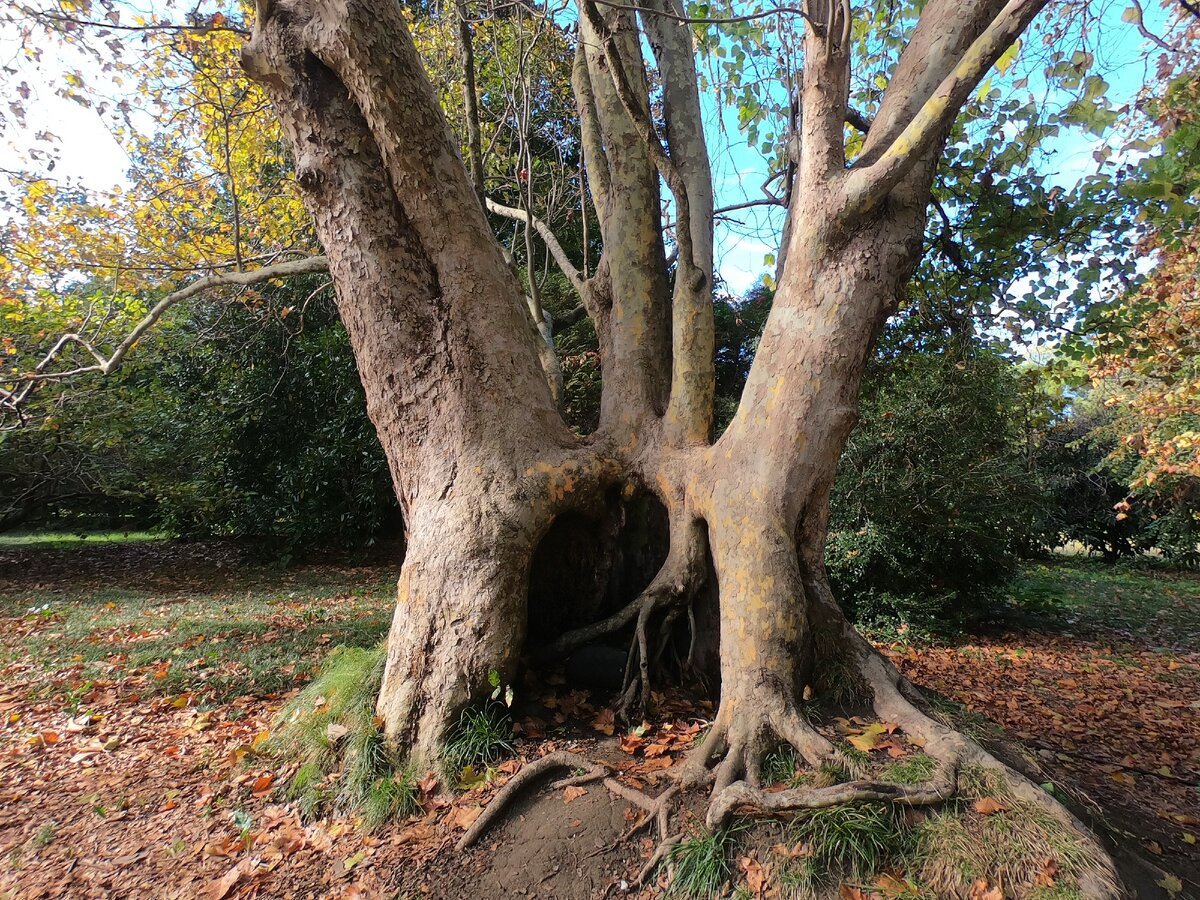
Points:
[(946, 852), (330, 729), (1012, 846)]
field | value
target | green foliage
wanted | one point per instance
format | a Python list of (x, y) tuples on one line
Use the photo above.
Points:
[(851, 840), (481, 738), (331, 730), (240, 419), (933, 499), (702, 863), (261, 430), (738, 325)]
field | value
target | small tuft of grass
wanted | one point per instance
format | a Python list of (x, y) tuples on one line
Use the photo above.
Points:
[(781, 766), (838, 682), (830, 773), (856, 841), (702, 863), (911, 770), (345, 763), (482, 738), (44, 837), (856, 762)]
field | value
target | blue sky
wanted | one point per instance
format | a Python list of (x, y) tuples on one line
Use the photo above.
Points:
[(89, 154)]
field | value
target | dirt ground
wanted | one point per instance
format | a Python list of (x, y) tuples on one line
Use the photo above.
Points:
[(138, 685)]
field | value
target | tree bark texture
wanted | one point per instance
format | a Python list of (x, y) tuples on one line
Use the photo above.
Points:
[(481, 459)]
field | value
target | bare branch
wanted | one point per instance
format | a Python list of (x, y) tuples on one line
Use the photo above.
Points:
[(599, 178), (551, 242), (866, 186), (11, 400), (645, 128), (1146, 32), (857, 120), (690, 20)]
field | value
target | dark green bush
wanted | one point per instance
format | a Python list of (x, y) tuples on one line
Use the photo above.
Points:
[(933, 500)]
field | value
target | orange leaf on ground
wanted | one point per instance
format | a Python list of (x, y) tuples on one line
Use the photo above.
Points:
[(987, 806), (573, 793), (756, 876), (465, 817)]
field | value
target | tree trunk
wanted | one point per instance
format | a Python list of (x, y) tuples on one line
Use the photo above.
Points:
[(483, 463)]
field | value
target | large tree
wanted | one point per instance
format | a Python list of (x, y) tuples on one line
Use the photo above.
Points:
[(461, 381), (449, 355)]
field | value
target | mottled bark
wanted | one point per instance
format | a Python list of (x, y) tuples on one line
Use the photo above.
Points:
[(483, 463)]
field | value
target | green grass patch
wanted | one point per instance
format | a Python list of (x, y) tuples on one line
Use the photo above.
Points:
[(66, 540), (264, 636), (702, 863), (781, 766), (345, 763), (855, 841), (481, 738), (1091, 594), (910, 770)]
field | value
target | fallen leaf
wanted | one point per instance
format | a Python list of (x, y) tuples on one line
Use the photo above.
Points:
[(262, 785), (573, 793), (987, 806), (1045, 875), (415, 834), (980, 890), (226, 883), (869, 738), (1171, 884), (756, 876), (894, 888), (464, 817), (605, 722)]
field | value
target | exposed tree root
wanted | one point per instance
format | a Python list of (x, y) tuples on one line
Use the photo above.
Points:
[(658, 809), (732, 754), (560, 759), (670, 593)]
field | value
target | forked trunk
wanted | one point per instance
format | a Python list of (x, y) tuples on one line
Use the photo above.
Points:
[(481, 459)]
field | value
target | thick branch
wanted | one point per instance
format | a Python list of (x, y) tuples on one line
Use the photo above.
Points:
[(866, 186), (644, 126), (470, 96), (599, 179), (689, 412)]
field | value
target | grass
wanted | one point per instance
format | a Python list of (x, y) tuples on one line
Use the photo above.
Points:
[(910, 770), (702, 863), (1139, 596), (482, 738), (855, 841), (331, 730), (219, 642), (781, 766), (65, 540), (957, 846)]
